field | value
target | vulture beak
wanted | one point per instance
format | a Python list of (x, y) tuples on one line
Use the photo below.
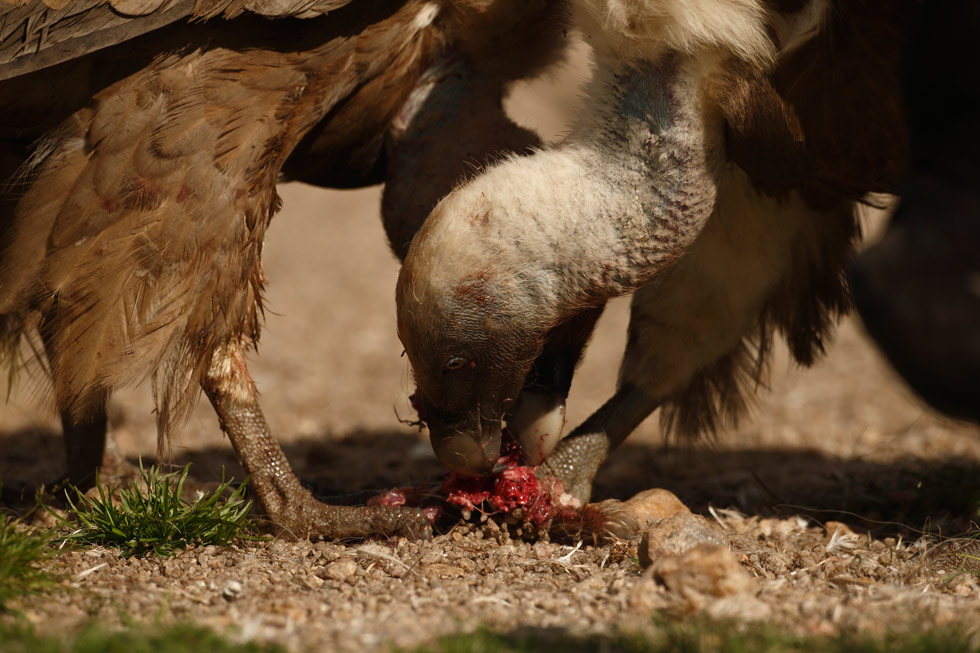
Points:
[(468, 444)]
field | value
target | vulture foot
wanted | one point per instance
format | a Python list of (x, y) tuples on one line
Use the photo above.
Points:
[(575, 463), (287, 504), (577, 458)]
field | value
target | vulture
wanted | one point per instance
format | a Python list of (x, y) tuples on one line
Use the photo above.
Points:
[(918, 289), (716, 171), (140, 146)]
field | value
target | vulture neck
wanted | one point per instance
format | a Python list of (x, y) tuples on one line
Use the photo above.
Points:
[(599, 215), (647, 156)]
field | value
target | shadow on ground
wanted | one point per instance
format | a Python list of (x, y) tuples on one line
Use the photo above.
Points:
[(904, 496)]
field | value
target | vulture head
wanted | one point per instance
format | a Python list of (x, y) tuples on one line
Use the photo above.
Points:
[(473, 346)]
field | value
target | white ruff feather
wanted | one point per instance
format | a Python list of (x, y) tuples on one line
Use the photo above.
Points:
[(644, 29)]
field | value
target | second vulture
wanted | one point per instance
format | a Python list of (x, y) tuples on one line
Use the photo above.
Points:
[(140, 146)]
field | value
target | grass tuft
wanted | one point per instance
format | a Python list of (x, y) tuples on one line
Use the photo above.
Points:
[(181, 638), (702, 636), (20, 551), (158, 519)]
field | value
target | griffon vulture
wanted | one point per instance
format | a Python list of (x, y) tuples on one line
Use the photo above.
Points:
[(918, 288), (140, 146), (715, 171)]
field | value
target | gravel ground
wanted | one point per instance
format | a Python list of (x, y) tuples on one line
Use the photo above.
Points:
[(820, 499)]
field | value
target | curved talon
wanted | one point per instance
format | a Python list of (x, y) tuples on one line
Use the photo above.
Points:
[(289, 505)]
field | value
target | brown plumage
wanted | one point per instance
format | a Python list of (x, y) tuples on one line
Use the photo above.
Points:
[(133, 242), (850, 140), (716, 172)]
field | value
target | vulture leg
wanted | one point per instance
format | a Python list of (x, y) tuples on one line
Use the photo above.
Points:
[(578, 457), (89, 447), (286, 502), (85, 442)]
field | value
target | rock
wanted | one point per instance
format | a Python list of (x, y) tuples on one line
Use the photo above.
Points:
[(647, 597), (442, 570), (705, 572), (628, 519), (676, 535), (231, 590), (652, 505), (341, 570)]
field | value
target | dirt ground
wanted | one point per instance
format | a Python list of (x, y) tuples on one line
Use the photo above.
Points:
[(842, 442)]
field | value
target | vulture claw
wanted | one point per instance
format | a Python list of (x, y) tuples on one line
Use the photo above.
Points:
[(287, 504), (306, 517)]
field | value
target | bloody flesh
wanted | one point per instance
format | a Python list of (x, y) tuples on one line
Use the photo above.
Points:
[(515, 490)]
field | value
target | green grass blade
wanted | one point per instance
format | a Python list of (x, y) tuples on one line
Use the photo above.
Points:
[(157, 518)]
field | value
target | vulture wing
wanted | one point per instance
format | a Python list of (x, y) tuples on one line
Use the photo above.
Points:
[(41, 33), (148, 137), (135, 235)]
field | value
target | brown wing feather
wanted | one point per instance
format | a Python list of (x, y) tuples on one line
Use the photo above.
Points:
[(763, 135), (844, 87), (41, 33), (828, 124), (136, 249)]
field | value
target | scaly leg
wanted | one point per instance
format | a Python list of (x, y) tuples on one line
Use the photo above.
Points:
[(578, 457), (286, 502), (85, 445)]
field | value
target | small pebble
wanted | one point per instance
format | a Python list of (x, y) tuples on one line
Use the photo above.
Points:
[(341, 570), (544, 550), (231, 590), (837, 528), (676, 536)]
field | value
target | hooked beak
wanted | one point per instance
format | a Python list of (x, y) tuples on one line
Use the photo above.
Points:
[(470, 445), (467, 444)]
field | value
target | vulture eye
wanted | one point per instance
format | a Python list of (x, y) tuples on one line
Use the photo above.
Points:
[(457, 363)]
